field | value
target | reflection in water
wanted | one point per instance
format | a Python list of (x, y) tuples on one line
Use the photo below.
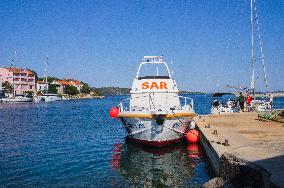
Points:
[(174, 166)]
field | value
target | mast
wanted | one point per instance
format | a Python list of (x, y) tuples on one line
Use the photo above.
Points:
[(1, 88), (14, 85), (45, 69), (252, 85)]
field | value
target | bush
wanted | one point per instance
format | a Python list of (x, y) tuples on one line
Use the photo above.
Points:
[(71, 90)]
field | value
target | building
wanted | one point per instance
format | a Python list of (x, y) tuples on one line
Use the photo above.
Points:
[(22, 79), (76, 84), (61, 85), (42, 86)]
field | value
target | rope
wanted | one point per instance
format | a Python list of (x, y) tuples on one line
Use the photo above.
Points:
[(260, 44)]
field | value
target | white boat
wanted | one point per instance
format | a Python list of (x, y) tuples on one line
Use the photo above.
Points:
[(17, 99), (155, 114), (219, 108), (258, 105), (261, 105), (48, 98)]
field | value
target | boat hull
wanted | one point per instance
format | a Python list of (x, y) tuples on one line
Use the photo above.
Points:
[(52, 98), (156, 143), (147, 131), (16, 100), (47, 98), (224, 110)]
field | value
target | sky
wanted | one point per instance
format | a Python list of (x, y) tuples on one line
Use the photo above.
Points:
[(102, 42)]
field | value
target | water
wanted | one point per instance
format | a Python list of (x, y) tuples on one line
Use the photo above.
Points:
[(76, 144)]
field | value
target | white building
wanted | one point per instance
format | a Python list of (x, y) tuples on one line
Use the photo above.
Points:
[(42, 86)]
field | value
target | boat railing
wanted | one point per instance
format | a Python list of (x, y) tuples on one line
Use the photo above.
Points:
[(124, 105)]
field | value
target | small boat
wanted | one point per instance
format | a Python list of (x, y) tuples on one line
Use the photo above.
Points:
[(48, 98), (17, 99), (155, 114), (261, 105), (220, 108)]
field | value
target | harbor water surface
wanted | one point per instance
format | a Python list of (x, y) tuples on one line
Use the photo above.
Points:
[(75, 144)]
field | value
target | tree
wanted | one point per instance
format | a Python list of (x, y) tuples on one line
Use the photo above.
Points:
[(85, 89), (52, 88), (96, 92), (71, 90), (8, 87), (29, 94)]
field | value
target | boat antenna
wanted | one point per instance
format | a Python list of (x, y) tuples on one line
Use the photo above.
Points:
[(13, 60), (252, 85), (261, 45), (157, 70)]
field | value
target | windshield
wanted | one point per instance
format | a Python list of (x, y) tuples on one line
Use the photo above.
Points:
[(157, 70)]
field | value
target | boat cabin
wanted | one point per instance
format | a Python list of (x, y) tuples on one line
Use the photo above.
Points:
[(154, 92)]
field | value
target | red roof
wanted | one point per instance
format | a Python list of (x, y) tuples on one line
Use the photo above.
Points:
[(63, 82), (17, 70), (75, 82), (14, 70)]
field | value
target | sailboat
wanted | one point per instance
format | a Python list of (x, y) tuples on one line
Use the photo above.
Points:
[(47, 97), (257, 105)]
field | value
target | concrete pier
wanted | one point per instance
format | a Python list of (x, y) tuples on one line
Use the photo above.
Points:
[(242, 137)]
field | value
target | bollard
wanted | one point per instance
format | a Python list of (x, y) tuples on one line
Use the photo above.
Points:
[(226, 142)]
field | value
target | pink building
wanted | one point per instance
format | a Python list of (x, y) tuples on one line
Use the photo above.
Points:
[(24, 79)]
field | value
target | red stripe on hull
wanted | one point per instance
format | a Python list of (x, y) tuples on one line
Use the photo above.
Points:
[(156, 143)]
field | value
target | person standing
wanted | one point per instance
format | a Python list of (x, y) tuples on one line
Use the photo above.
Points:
[(241, 100), (270, 95), (249, 99)]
